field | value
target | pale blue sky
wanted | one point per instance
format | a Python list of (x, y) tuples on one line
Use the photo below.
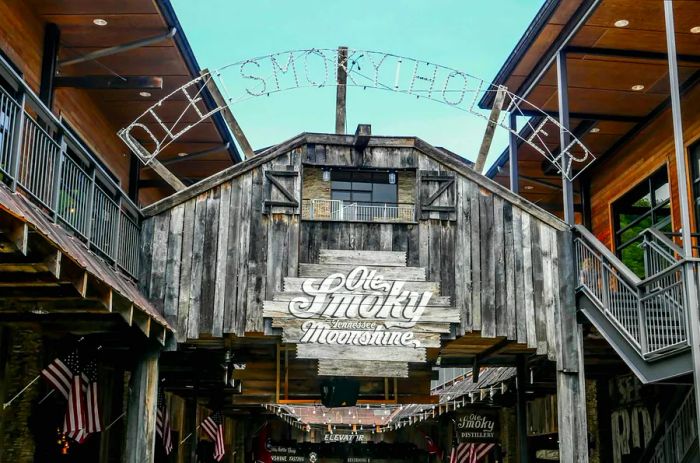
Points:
[(474, 36)]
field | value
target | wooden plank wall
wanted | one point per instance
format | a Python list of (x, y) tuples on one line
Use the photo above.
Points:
[(499, 262)]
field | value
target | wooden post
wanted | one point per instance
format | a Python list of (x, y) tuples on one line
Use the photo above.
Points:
[(490, 129), (341, 90), (220, 102), (521, 409), (141, 409), (564, 136)]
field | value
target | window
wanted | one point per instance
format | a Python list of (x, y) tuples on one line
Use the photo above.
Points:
[(646, 205), (364, 187), (695, 172)]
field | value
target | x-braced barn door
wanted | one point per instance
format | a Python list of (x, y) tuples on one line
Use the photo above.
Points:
[(436, 195)]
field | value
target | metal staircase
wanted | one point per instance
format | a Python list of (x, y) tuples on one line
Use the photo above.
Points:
[(644, 320)]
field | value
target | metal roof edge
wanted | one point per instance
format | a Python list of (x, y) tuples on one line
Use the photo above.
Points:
[(527, 39), (170, 17)]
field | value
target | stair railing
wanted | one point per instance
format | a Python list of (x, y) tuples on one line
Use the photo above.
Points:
[(649, 313), (674, 437)]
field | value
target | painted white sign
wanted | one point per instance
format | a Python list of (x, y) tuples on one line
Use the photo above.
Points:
[(362, 310)]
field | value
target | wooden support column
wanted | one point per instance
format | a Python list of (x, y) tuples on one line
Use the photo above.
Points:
[(49, 59), (564, 136), (521, 409), (341, 91), (141, 409)]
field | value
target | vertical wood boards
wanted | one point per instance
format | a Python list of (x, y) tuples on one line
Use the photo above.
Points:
[(183, 303), (210, 262), (173, 243), (488, 266)]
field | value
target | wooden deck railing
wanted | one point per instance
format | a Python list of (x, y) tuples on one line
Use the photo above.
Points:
[(41, 159)]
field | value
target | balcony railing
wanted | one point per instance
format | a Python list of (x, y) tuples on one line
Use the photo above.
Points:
[(328, 209), (40, 158)]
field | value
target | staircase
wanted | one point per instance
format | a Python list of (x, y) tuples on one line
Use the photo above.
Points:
[(675, 439), (644, 320)]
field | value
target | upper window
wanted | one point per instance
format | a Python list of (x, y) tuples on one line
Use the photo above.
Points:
[(646, 205), (368, 187), (695, 172)]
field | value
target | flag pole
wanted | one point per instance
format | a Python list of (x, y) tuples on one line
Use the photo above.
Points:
[(9, 402), (190, 435), (115, 420), (46, 396)]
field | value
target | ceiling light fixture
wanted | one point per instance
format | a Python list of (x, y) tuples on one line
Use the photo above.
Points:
[(528, 187), (145, 94), (99, 22), (695, 30), (638, 87), (622, 23), (181, 155), (595, 130)]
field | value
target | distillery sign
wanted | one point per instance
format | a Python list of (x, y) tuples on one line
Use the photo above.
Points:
[(358, 309), (474, 426)]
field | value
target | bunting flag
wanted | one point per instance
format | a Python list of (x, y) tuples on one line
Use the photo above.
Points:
[(471, 452), (263, 446), (213, 427), (431, 446), (163, 423)]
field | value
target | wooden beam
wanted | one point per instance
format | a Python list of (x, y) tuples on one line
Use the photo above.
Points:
[(633, 54), (119, 48), (490, 129), (228, 115), (110, 82), (341, 91), (17, 233), (166, 175), (362, 135), (52, 38)]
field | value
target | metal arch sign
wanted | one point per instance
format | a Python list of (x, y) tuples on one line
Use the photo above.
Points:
[(279, 72)]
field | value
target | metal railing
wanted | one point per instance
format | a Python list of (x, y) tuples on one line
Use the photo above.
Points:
[(660, 252), (43, 160), (649, 313), (680, 434), (331, 209)]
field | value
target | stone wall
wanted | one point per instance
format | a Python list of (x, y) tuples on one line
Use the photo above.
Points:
[(21, 363)]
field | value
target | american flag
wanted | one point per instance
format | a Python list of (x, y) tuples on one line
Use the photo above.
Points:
[(163, 423), (470, 452), (78, 384), (213, 427), (92, 408)]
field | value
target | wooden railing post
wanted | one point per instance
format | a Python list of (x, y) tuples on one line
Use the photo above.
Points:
[(17, 140)]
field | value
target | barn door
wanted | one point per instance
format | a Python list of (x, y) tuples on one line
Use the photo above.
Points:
[(436, 195), (281, 190)]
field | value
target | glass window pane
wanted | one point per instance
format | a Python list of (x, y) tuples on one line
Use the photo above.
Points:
[(362, 176), (340, 185), (635, 230), (362, 196), (661, 193), (381, 177), (361, 186), (341, 175), (384, 193), (341, 195), (633, 256)]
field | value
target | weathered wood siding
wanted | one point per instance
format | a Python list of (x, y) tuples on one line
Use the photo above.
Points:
[(497, 257)]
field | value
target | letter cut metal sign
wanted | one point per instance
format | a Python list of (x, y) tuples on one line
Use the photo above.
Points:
[(361, 320)]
